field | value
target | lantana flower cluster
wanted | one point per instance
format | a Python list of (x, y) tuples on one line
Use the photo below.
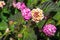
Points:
[(26, 12), (2, 3), (49, 29), (36, 15)]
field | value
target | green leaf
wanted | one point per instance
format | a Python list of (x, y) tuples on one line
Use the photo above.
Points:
[(50, 21), (58, 34), (50, 7), (4, 18), (57, 16), (40, 24), (28, 34), (31, 3), (58, 23), (5, 10), (0, 34), (42, 1), (3, 25), (12, 28), (16, 11), (58, 3), (18, 18)]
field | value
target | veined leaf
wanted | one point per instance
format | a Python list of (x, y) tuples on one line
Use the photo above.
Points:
[(40, 24), (3, 25), (58, 3), (42, 1), (31, 3), (4, 18), (28, 34), (5, 10), (18, 18), (57, 16), (50, 21), (50, 7)]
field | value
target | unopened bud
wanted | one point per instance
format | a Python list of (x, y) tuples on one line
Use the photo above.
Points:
[(11, 22), (7, 30), (19, 35)]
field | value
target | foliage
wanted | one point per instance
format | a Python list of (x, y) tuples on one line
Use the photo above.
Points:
[(29, 28)]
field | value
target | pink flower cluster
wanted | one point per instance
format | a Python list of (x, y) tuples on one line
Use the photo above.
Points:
[(26, 13), (49, 29), (20, 6)]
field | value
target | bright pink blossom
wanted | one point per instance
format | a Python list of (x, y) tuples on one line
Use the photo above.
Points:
[(26, 13), (19, 5), (22, 6), (49, 29)]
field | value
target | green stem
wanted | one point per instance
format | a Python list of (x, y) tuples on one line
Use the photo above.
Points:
[(5, 34), (48, 39), (2, 35), (18, 39)]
